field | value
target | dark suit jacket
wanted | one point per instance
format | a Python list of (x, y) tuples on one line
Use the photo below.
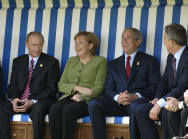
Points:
[(1, 84), (5, 105), (44, 80), (164, 89), (144, 76)]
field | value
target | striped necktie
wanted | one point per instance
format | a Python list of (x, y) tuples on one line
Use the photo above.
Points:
[(27, 89), (174, 71)]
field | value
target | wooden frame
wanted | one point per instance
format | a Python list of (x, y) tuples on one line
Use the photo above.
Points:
[(24, 130)]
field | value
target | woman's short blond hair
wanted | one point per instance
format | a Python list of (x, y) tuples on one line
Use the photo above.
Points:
[(90, 38)]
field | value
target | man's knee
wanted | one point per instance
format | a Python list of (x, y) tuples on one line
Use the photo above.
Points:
[(138, 110), (39, 111), (133, 105), (54, 109), (170, 115), (141, 110), (184, 113), (93, 104), (39, 108)]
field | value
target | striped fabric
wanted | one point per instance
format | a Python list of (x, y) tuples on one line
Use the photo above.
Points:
[(27, 88), (60, 20), (86, 119)]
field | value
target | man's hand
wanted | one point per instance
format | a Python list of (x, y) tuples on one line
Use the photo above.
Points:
[(126, 98), (133, 97), (154, 101), (186, 97), (154, 112), (172, 104), (83, 90), (77, 98), (123, 98), (27, 104), (15, 104)]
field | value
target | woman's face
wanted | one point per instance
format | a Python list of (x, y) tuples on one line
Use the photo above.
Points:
[(82, 47)]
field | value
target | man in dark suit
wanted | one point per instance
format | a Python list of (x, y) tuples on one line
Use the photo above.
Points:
[(132, 79), (177, 116), (173, 84), (34, 82), (5, 112)]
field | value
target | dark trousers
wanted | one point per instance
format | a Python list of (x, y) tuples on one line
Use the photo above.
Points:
[(147, 126), (63, 117), (177, 122), (6, 112), (37, 115), (99, 108)]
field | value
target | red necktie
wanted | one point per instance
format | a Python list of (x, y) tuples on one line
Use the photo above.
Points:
[(27, 89), (128, 68)]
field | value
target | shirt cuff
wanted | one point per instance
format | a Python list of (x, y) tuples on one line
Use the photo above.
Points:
[(186, 123), (35, 101), (140, 96), (161, 102), (116, 97), (181, 106), (11, 99)]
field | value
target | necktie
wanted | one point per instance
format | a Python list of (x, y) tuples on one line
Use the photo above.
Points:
[(174, 71), (27, 89), (128, 68)]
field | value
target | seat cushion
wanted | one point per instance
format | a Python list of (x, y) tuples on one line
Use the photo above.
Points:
[(86, 119)]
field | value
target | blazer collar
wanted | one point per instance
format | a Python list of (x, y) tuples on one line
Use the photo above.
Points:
[(39, 65), (25, 64), (121, 69), (181, 61), (135, 65)]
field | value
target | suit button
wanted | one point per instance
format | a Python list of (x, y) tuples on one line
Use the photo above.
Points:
[(79, 71), (78, 78)]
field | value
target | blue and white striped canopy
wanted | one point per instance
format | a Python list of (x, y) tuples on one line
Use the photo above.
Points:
[(60, 20)]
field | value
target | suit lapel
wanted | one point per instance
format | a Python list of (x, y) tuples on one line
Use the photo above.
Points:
[(25, 65), (181, 61), (121, 70), (135, 66), (38, 66), (171, 73)]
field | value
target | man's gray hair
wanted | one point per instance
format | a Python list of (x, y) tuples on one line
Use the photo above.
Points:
[(177, 33), (137, 34)]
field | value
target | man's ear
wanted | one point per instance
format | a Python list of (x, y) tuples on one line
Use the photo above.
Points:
[(138, 42), (172, 42), (26, 43)]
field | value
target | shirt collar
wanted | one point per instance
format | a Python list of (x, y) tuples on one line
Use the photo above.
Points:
[(178, 54), (35, 59), (132, 55)]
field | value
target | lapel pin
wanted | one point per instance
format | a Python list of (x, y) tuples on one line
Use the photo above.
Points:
[(41, 65), (138, 63)]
